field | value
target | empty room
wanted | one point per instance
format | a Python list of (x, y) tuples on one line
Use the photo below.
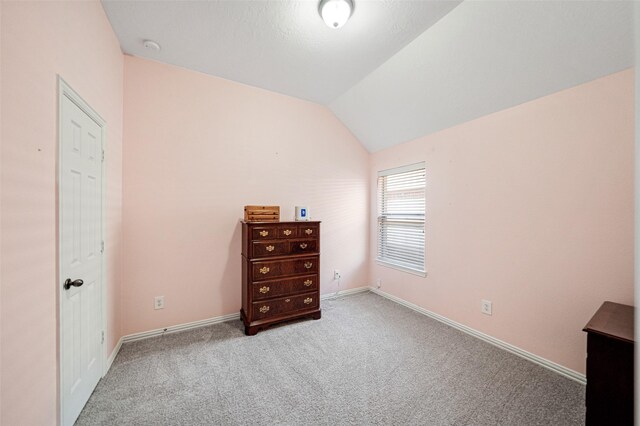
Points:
[(317, 212)]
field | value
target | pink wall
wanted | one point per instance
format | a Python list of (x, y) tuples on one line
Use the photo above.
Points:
[(1, 5), (199, 148), (532, 208), (40, 40)]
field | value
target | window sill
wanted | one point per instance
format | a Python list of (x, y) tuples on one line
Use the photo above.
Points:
[(402, 268)]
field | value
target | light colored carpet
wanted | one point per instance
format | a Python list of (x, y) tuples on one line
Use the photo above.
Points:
[(368, 361)]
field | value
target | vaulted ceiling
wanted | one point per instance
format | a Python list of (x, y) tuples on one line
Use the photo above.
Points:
[(398, 69)]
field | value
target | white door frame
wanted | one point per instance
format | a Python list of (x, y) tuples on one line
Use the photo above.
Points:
[(64, 90)]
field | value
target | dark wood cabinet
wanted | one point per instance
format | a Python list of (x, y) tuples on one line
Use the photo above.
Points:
[(610, 347), (280, 273)]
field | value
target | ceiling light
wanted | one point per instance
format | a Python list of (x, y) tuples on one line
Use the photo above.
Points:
[(335, 13)]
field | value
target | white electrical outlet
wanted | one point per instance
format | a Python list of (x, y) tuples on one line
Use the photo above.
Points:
[(486, 307), (158, 302), (336, 274), (379, 282)]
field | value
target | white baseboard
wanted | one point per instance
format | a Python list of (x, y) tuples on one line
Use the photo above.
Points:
[(346, 292), (112, 357), (557, 368), (180, 327), (567, 372), (214, 320)]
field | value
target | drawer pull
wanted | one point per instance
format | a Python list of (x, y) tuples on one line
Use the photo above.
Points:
[(264, 233), (308, 300), (287, 300), (264, 309), (303, 246), (287, 232), (308, 265), (264, 270), (264, 289), (307, 283), (270, 248), (308, 231)]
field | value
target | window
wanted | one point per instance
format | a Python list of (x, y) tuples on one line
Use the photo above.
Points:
[(401, 207)]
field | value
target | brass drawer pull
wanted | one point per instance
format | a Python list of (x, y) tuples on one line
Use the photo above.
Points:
[(303, 246), (308, 300), (264, 270), (264, 309), (287, 232), (270, 248), (308, 265), (264, 233), (264, 289), (287, 300), (308, 231), (307, 283)]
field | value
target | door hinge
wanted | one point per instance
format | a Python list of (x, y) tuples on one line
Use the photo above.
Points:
[(102, 247), (103, 155), (102, 338)]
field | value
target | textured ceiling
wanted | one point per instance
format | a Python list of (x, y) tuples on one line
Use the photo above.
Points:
[(484, 57), (279, 45), (399, 69)]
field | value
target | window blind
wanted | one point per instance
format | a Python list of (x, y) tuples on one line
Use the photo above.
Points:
[(401, 212)]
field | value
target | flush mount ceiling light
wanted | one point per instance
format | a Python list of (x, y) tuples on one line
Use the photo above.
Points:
[(335, 13)]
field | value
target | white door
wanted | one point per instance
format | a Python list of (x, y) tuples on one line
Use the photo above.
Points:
[(80, 203)]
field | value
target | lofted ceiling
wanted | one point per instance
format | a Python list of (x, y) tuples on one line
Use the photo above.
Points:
[(399, 69), (279, 45), (484, 57)]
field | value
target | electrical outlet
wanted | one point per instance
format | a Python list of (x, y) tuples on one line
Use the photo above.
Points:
[(336, 274), (158, 302), (379, 282), (486, 307)]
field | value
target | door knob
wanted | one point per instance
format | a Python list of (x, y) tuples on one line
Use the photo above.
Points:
[(68, 283)]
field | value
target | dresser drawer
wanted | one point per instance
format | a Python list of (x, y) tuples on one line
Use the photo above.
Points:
[(283, 305), (270, 232), (269, 248), (308, 231), (287, 232), (303, 246), (282, 287), (278, 268), (264, 232)]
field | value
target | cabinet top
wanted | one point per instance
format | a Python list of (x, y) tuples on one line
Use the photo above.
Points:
[(612, 320), (297, 222)]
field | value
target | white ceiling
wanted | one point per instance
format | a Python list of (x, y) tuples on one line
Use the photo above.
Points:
[(484, 57), (279, 45), (399, 69)]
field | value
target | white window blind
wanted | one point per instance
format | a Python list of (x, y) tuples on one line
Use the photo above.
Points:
[(401, 211)]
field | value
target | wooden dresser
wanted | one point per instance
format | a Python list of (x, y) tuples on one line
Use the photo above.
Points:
[(280, 273), (610, 342)]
